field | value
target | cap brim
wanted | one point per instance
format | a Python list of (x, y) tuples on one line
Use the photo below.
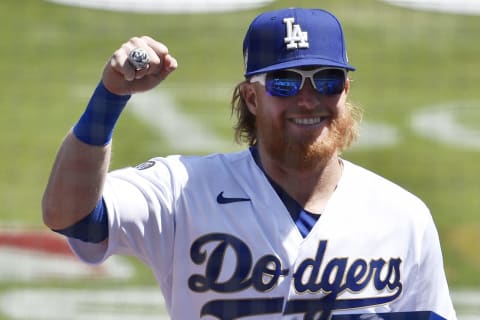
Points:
[(301, 63)]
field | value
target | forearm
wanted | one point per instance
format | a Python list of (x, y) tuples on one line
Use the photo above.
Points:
[(76, 182)]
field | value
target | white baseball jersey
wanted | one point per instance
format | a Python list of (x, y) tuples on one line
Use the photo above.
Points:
[(222, 245)]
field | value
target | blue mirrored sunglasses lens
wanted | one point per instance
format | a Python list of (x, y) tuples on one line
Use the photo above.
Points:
[(283, 87), (330, 81), (283, 83), (330, 86)]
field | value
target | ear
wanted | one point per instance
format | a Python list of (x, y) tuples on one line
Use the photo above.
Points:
[(347, 86), (249, 96)]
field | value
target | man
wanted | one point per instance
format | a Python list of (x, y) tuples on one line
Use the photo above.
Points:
[(283, 230)]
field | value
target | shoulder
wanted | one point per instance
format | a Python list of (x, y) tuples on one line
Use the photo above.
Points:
[(195, 166), (380, 190), (384, 206), (180, 168)]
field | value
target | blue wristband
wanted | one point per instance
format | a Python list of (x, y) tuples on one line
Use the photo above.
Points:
[(96, 125)]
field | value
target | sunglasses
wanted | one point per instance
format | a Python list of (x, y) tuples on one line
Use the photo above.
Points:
[(288, 82)]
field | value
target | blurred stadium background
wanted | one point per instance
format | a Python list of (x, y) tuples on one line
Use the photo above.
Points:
[(417, 80)]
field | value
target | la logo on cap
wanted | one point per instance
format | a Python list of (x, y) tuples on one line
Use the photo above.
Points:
[(296, 38)]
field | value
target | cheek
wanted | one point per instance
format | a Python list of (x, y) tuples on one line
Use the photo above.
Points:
[(338, 106), (267, 110), (268, 113), (274, 107)]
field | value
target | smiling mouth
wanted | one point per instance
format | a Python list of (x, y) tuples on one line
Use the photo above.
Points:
[(308, 121)]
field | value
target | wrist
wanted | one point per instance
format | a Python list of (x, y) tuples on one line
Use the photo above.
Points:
[(96, 125)]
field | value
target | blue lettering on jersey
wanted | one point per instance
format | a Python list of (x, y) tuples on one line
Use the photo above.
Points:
[(338, 275)]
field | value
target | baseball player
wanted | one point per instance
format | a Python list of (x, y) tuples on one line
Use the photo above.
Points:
[(285, 229)]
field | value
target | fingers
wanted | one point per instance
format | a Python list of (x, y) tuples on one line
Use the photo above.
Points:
[(156, 52), (120, 75), (163, 63)]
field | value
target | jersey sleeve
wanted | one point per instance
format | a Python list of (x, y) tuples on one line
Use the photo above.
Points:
[(141, 216), (433, 292)]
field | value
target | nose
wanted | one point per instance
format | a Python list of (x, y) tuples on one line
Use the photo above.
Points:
[(308, 96)]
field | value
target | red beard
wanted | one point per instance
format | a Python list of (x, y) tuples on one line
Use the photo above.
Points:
[(312, 153)]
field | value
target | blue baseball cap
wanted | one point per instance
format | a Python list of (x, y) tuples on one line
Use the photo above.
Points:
[(294, 37)]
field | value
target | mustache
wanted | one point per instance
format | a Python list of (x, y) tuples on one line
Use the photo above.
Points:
[(320, 112)]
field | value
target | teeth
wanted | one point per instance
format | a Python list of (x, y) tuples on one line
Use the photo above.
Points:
[(308, 121)]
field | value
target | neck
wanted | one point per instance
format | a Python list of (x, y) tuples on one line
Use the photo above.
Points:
[(311, 186)]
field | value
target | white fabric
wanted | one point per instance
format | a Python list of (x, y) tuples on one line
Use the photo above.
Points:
[(375, 248)]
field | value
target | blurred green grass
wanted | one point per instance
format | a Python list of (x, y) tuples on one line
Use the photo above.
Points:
[(52, 57)]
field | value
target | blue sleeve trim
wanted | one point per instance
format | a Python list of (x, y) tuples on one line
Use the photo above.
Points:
[(95, 126), (413, 315), (93, 228)]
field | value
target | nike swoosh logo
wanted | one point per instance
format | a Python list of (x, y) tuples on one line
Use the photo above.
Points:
[(224, 200)]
